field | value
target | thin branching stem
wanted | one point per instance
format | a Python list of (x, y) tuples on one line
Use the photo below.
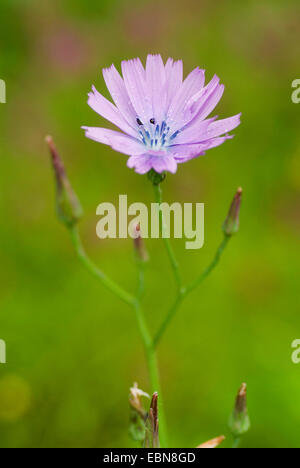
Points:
[(170, 252), (184, 291), (141, 278), (105, 280), (135, 302), (168, 319), (210, 267), (149, 348), (153, 369)]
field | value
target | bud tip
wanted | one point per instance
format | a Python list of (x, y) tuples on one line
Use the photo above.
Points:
[(243, 390), (231, 224), (239, 421), (48, 139), (50, 143)]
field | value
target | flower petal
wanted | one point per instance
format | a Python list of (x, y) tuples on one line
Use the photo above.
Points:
[(188, 158), (197, 101), (174, 76), (209, 102), (109, 111), (117, 89), (144, 162), (156, 85), (118, 141), (183, 153), (223, 126), (164, 163), (135, 82), (193, 83), (202, 131), (141, 164), (194, 133)]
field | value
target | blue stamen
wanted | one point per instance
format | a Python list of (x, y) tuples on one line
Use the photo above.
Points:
[(143, 138), (174, 135), (163, 125), (157, 137)]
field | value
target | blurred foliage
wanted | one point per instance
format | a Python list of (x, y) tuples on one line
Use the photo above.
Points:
[(72, 349)]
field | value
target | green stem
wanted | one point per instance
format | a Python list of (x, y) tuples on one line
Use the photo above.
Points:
[(143, 328), (168, 318), (153, 370), (107, 282), (183, 292), (236, 442), (170, 252), (210, 268), (141, 278), (149, 344), (149, 349)]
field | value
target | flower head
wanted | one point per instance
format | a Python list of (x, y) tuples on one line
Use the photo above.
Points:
[(162, 118)]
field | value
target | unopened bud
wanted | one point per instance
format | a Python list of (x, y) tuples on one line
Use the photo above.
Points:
[(139, 244), (213, 443), (239, 422), (232, 224), (68, 207), (151, 439)]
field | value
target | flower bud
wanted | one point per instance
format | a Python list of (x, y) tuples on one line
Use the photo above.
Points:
[(151, 439), (68, 207), (139, 245), (239, 422), (231, 224)]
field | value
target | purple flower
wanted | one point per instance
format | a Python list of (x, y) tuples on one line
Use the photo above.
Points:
[(163, 118)]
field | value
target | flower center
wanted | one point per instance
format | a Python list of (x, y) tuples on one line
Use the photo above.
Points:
[(155, 136)]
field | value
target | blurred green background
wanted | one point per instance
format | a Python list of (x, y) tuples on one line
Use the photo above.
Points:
[(73, 349)]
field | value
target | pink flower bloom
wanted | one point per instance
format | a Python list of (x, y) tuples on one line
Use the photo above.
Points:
[(163, 118)]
